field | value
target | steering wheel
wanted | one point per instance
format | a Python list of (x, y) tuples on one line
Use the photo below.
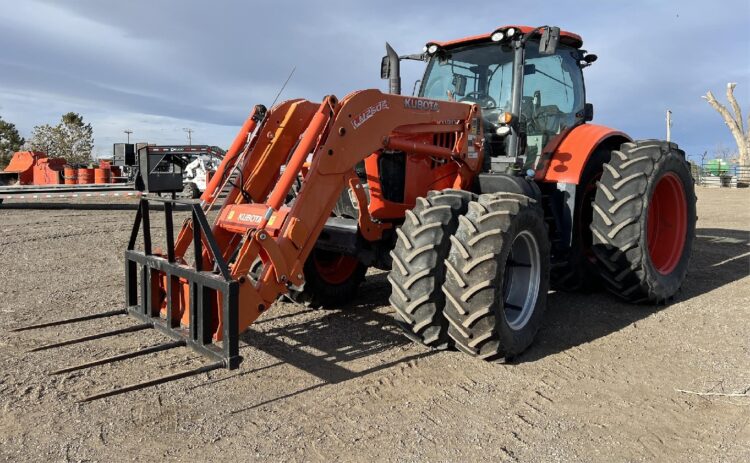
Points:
[(484, 100)]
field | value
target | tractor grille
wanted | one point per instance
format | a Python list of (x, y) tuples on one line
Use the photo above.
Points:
[(445, 140)]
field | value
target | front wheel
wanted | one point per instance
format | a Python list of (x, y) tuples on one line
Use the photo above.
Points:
[(331, 279), (419, 265), (498, 276), (644, 221)]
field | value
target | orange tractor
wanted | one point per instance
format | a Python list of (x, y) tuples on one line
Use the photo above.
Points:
[(478, 195)]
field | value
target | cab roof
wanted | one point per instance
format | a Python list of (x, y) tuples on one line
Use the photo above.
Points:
[(567, 38)]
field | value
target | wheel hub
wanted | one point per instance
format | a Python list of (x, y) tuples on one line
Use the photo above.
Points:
[(521, 280)]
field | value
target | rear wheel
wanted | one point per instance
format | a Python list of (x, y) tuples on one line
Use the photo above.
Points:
[(644, 221), (498, 276), (419, 265)]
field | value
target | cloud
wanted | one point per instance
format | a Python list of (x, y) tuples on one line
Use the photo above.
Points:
[(157, 66)]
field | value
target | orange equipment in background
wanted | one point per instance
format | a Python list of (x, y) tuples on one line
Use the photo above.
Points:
[(70, 175), (85, 175), (32, 168), (102, 175), (35, 168)]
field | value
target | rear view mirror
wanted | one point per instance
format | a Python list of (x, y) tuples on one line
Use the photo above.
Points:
[(459, 84), (588, 112), (385, 68), (548, 43)]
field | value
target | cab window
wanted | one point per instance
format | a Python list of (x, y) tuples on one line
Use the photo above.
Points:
[(553, 93), (553, 96)]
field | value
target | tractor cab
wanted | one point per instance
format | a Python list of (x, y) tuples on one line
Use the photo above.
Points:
[(521, 111)]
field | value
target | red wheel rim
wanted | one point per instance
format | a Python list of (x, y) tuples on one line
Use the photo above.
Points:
[(667, 223), (334, 268)]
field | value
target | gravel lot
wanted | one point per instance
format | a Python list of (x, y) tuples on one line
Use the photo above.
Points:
[(600, 384)]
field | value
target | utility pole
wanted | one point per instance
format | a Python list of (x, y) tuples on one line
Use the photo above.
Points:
[(669, 125), (128, 131), (190, 135)]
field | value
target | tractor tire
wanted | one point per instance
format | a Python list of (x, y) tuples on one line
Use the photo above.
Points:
[(498, 276), (331, 280), (418, 270), (644, 221)]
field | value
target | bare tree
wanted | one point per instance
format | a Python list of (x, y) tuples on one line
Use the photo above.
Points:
[(724, 152), (740, 131)]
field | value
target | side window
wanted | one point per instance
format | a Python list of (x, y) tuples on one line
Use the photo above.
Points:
[(552, 91), (553, 95), (441, 79)]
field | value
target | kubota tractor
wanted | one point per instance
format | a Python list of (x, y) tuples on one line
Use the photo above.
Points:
[(478, 195)]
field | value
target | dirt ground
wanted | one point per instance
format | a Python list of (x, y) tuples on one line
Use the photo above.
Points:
[(600, 384)]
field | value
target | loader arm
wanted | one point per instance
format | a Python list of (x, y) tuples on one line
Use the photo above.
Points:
[(258, 228), (340, 134)]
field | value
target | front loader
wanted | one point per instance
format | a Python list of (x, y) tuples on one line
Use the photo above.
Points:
[(478, 195)]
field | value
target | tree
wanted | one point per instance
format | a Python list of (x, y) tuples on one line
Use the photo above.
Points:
[(10, 142), (724, 152), (740, 131), (70, 139)]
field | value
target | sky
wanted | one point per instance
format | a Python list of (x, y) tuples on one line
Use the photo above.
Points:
[(157, 67)]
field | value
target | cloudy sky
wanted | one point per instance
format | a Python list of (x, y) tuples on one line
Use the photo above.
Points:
[(158, 66)]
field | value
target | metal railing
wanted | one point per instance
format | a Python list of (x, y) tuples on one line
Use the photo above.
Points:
[(711, 175)]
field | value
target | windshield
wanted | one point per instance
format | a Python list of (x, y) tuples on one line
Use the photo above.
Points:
[(486, 68), (552, 100)]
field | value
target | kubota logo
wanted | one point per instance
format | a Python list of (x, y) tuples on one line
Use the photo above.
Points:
[(250, 218), (422, 105)]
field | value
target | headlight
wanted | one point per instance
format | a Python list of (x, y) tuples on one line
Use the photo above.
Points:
[(497, 36), (431, 48), (510, 32), (503, 130)]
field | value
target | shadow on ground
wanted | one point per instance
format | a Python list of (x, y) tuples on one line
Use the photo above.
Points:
[(352, 332), (720, 257)]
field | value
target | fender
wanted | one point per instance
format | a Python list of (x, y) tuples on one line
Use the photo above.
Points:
[(573, 150)]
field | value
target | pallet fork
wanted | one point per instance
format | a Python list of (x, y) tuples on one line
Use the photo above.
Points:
[(207, 305)]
